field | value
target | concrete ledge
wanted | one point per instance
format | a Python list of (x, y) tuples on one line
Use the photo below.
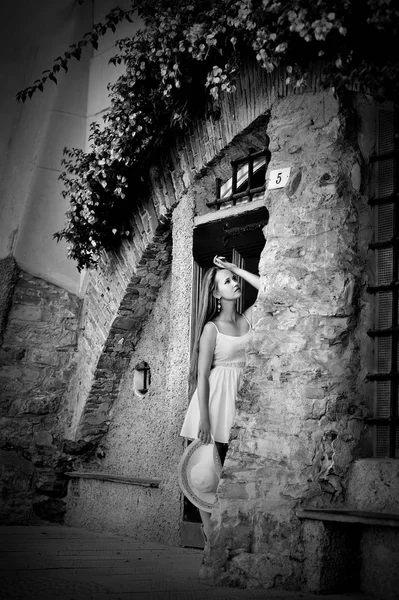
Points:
[(349, 516), (153, 483)]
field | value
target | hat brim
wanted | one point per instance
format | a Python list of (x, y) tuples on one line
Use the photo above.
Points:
[(203, 500)]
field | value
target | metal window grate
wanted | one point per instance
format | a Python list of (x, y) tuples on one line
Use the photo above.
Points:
[(384, 310), (382, 445), (385, 165), (384, 265), (384, 353), (248, 180), (386, 128), (385, 173), (383, 395), (384, 225)]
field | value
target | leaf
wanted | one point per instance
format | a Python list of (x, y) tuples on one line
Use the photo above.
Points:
[(77, 53), (52, 77)]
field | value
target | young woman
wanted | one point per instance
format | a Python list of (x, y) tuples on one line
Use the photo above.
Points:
[(218, 358)]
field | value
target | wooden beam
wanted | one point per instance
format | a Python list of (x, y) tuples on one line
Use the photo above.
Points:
[(154, 483), (349, 516)]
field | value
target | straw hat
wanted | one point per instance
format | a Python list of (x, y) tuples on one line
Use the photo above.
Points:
[(199, 473)]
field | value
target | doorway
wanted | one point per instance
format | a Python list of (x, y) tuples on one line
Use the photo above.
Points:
[(239, 238)]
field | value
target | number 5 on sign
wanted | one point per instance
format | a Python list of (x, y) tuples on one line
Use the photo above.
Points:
[(279, 178)]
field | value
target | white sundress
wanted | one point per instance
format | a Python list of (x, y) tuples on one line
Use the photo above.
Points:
[(224, 380)]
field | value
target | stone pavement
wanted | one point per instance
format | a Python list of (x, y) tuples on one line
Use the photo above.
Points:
[(53, 562)]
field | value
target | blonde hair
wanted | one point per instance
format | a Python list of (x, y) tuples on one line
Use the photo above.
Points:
[(207, 310)]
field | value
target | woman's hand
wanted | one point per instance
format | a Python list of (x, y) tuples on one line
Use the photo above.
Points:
[(204, 431), (222, 263), (251, 278)]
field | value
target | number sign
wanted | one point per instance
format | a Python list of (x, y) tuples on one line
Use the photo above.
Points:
[(278, 178)]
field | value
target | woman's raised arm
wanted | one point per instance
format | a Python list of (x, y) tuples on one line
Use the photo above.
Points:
[(251, 278)]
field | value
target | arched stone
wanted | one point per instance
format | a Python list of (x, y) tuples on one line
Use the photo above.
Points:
[(123, 276)]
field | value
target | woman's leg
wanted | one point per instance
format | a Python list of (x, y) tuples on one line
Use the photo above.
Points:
[(206, 516), (222, 449), (206, 522)]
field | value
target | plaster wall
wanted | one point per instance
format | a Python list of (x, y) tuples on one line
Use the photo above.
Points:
[(35, 133), (143, 437), (139, 443)]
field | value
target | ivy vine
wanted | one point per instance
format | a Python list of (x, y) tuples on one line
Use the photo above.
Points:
[(186, 55)]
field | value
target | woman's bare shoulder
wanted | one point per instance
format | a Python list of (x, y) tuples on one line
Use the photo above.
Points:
[(210, 329)]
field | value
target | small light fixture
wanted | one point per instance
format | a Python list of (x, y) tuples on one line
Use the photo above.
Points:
[(141, 379)]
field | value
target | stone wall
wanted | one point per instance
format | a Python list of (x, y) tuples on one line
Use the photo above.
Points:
[(300, 419), (8, 278), (36, 362)]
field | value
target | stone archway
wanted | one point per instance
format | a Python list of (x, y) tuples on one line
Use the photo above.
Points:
[(120, 281)]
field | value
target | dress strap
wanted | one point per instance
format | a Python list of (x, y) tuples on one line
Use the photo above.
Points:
[(250, 326), (215, 326)]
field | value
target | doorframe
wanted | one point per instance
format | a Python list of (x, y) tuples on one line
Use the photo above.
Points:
[(190, 532)]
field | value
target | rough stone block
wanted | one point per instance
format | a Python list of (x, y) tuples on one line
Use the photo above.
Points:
[(314, 392), (41, 405), (124, 323), (43, 357), (27, 313), (49, 483), (43, 438), (234, 490)]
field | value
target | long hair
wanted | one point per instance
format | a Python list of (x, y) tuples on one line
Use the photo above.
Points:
[(207, 310)]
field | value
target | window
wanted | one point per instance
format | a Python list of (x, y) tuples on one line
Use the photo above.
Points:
[(385, 196), (239, 238), (247, 182)]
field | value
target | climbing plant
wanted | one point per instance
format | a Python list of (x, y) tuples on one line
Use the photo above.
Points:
[(187, 54)]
